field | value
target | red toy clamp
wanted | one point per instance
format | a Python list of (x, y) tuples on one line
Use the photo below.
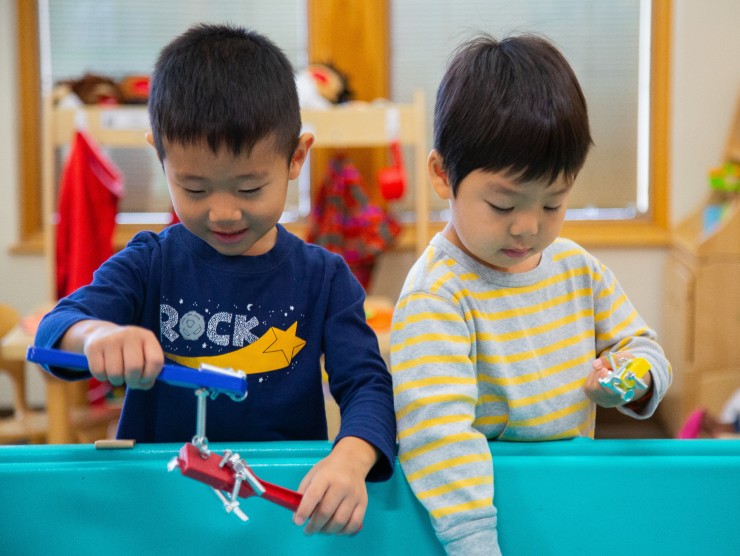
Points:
[(231, 478)]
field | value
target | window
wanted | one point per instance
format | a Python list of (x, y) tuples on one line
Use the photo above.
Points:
[(631, 38)]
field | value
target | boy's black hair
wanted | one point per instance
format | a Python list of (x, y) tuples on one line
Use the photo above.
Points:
[(227, 85), (512, 106)]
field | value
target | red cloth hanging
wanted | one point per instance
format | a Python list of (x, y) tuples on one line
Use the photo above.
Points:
[(344, 221), (90, 187), (89, 191)]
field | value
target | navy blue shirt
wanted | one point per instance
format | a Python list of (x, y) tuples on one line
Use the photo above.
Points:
[(272, 316)]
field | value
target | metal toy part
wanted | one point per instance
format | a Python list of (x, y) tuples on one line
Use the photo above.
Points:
[(228, 475), (625, 376), (230, 478)]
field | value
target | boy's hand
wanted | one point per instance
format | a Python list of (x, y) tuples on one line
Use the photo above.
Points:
[(602, 396), (116, 354), (334, 491)]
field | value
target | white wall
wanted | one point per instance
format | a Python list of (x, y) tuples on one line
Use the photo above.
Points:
[(705, 86), (23, 282)]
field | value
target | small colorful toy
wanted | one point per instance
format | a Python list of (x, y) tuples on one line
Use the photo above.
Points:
[(625, 376), (228, 475)]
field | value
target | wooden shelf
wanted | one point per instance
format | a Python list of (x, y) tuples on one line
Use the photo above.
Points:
[(350, 125), (702, 321)]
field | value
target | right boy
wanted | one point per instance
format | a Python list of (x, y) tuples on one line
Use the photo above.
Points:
[(502, 329)]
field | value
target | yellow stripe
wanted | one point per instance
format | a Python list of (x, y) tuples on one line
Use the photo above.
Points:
[(439, 443), (425, 316), (468, 277), (423, 338), (525, 311), (490, 420), (441, 281), (564, 276), (434, 381), (535, 353), (524, 333), (537, 375), (489, 294), (616, 304), (547, 395), (617, 329), (435, 422), (555, 415), (429, 400), (472, 505), (608, 290), (431, 360), (455, 485), (491, 398), (447, 464), (557, 257)]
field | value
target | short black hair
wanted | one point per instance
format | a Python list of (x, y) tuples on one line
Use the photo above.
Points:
[(225, 84), (512, 106)]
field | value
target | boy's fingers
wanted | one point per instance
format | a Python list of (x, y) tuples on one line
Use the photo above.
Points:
[(323, 512), (113, 368), (339, 520), (133, 359), (308, 504), (355, 522), (153, 362)]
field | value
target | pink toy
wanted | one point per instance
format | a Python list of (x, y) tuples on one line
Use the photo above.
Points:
[(692, 425)]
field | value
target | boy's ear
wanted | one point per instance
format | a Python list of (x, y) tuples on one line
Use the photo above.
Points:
[(150, 140), (300, 155), (438, 175)]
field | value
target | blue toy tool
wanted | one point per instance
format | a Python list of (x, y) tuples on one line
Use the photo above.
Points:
[(213, 379), (228, 475)]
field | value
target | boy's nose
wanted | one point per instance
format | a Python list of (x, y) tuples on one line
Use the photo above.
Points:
[(222, 210), (525, 224)]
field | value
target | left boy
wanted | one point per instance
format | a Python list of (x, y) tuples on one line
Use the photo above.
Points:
[(230, 286)]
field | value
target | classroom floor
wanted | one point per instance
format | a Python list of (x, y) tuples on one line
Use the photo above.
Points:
[(611, 423)]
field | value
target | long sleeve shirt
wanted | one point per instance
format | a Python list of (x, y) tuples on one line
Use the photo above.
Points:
[(272, 316), (478, 354)]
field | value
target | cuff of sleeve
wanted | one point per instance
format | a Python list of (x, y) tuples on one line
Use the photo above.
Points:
[(384, 467), (642, 408), (480, 543)]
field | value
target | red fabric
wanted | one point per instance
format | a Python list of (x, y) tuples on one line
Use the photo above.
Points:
[(88, 201), (344, 221)]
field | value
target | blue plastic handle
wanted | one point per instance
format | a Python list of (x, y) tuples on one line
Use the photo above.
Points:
[(235, 386)]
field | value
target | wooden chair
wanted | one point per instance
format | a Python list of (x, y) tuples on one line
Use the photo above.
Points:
[(24, 426)]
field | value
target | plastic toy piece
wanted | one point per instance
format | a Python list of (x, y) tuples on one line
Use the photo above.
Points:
[(393, 179), (627, 378), (231, 478), (214, 379)]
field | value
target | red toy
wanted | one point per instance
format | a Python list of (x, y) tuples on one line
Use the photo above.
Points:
[(392, 180), (231, 478), (228, 475)]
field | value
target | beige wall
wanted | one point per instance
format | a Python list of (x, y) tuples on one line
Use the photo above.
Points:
[(705, 85)]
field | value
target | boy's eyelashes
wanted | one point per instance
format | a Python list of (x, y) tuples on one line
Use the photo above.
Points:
[(250, 191), (501, 209), (505, 210), (192, 191)]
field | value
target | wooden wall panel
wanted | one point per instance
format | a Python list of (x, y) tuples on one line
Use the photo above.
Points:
[(353, 35)]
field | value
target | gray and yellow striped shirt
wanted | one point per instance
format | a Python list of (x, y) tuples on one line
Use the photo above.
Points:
[(478, 354)]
